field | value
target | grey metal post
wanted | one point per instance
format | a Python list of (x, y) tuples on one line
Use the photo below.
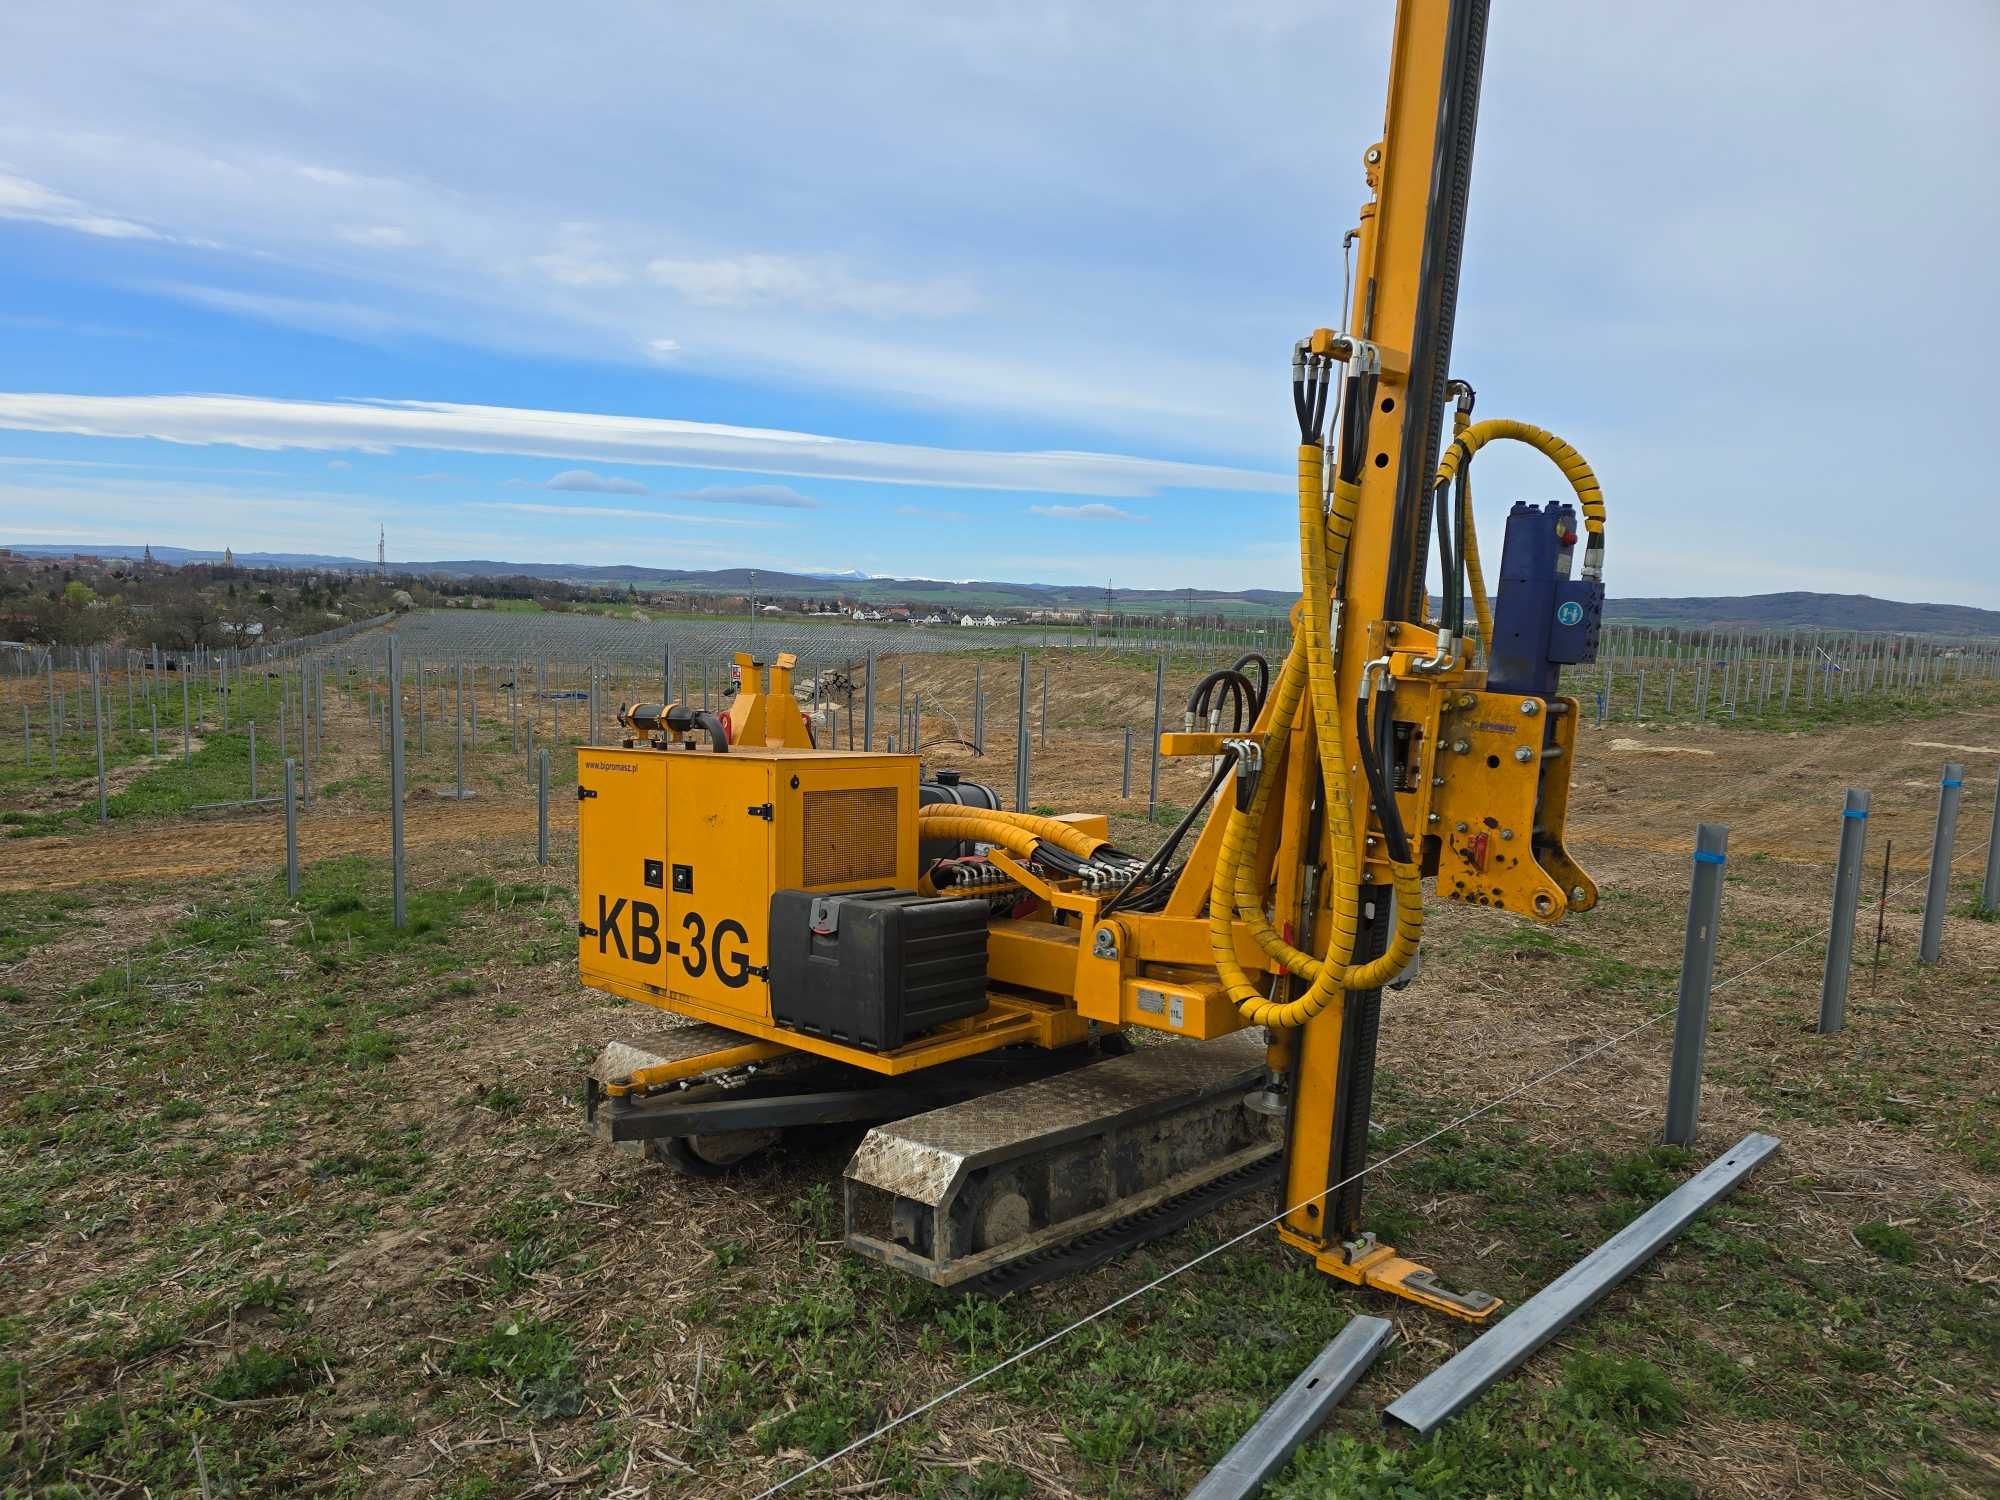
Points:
[(1044, 728), (590, 694), (667, 673), (1938, 892), (1846, 894), (1457, 1382), (458, 725), (1125, 776), (902, 699), (253, 760), (1989, 893), (396, 777), (978, 710), (868, 704), (97, 721), (1639, 702), (1286, 1424), (291, 832), (1711, 845), (1021, 740), (542, 808), (1159, 712), (186, 719)]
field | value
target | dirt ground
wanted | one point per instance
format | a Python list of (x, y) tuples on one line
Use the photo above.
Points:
[(293, 1204)]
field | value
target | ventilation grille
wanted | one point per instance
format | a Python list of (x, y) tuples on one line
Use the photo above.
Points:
[(850, 835)]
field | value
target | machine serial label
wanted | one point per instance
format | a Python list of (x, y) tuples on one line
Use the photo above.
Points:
[(1502, 727), (723, 948)]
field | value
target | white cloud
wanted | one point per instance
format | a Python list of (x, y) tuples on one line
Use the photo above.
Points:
[(747, 281), (931, 513), (378, 236), (616, 512), (1085, 513), (21, 198), (663, 349), (596, 484), (775, 496), (338, 463), (383, 426)]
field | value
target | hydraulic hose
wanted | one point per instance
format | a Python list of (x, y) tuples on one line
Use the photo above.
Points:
[(1237, 892), (1065, 836), (1582, 479)]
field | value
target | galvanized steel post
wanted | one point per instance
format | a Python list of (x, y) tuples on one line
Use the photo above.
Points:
[(1989, 893), (1125, 776), (978, 710), (1846, 895), (97, 719), (1021, 740), (395, 731), (1159, 715), (868, 704), (1938, 892), (291, 831), (542, 808), (1711, 845), (253, 760)]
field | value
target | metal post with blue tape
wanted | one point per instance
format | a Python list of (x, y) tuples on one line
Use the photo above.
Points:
[(1938, 893), (1846, 895), (1711, 852)]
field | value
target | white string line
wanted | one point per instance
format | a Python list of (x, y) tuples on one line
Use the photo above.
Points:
[(1214, 1250)]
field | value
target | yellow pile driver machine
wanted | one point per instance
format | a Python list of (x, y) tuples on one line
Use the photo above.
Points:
[(843, 938)]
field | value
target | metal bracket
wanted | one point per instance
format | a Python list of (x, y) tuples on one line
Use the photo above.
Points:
[(762, 810)]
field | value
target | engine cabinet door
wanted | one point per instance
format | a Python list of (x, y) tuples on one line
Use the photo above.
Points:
[(720, 821), (621, 819)]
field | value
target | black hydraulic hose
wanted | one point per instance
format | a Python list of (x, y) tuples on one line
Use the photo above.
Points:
[(1252, 659), (718, 737), (1165, 852), (1234, 686), (1445, 571), (1375, 757)]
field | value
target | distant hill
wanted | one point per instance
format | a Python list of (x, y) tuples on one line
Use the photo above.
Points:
[(1833, 611), (1748, 611)]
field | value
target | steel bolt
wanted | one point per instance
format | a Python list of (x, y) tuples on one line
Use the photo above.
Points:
[(1435, 818), (1530, 707), (1463, 747), (1462, 827), (1523, 754), (1577, 893), (1506, 833)]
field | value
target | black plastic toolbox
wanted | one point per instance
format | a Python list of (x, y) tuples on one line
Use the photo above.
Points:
[(875, 968)]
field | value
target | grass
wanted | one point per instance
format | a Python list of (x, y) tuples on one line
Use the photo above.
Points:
[(280, 1178)]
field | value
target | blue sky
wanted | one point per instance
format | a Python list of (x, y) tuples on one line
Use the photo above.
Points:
[(860, 286)]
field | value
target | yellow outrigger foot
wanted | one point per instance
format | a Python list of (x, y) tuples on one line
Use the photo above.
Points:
[(1368, 1262)]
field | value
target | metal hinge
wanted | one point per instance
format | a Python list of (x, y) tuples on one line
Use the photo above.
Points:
[(762, 810), (585, 791), (584, 929), (760, 970)]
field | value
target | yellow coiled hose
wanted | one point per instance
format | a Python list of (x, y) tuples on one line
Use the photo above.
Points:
[(1017, 832), (1237, 889), (1468, 437)]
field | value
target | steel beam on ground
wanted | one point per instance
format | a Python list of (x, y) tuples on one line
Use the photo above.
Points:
[(1460, 1381), (1296, 1415)]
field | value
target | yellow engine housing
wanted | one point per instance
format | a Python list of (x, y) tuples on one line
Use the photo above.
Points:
[(679, 850)]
